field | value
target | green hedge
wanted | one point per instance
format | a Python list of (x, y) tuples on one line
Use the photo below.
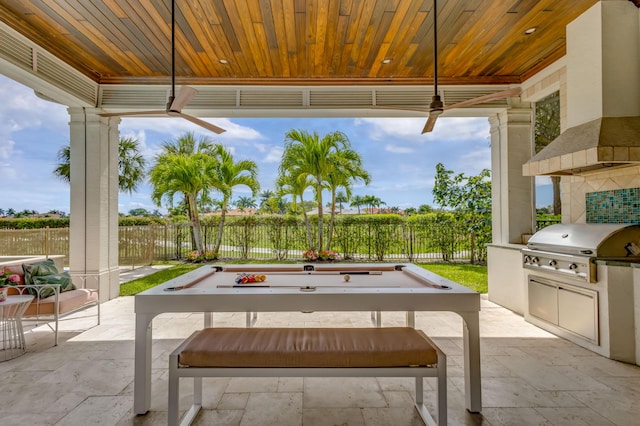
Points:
[(436, 236), (48, 222)]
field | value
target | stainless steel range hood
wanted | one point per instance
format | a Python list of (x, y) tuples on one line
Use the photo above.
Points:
[(597, 144)]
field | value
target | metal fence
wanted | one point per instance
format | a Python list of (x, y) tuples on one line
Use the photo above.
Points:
[(139, 245), (142, 245)]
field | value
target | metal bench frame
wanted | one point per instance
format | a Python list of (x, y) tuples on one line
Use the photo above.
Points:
[(176, 371)]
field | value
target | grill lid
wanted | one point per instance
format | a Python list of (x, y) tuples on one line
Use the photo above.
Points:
[(588, 239)]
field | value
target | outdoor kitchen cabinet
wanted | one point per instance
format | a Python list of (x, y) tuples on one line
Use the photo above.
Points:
[(571, 308)]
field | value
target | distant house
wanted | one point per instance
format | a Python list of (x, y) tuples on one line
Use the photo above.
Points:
[(235, 212)]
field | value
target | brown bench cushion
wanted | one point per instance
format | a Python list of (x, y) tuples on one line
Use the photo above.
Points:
[(67, 301), (308, 347)]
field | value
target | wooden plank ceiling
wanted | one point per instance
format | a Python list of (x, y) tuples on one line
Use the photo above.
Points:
[(298, 42)]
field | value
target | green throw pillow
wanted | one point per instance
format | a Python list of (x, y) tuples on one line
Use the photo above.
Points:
[(63, 279), (46, 267)]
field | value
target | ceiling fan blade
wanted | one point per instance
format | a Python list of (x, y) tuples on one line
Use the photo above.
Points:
[(486, 98), (132, 113), (201, 123), (431, 121), (183, 98)]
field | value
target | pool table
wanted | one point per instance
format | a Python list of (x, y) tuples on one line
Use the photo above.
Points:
[(307, 287)]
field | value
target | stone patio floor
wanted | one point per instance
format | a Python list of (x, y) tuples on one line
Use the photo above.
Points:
[(529, 377)]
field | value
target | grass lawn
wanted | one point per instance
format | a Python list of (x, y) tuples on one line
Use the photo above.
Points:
[(472, 276), (152, 280)]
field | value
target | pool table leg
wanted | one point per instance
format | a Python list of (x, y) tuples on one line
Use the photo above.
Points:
[(142, 364), (472, 378), (411, 319), (251, 319), (208, 320), (376, 318)]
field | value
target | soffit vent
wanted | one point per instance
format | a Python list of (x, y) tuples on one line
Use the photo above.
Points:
[(343, 98), (451, 97), (417, 97), (15, 51), (60, 76), (118, 97), (208, 98), (272, 99)]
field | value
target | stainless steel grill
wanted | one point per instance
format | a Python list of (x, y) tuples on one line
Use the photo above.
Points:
[(569, 250)]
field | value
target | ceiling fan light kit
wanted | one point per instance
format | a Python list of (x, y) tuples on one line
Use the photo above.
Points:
[(176, 102)]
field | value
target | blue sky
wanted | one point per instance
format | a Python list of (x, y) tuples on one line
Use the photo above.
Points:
[(400, 160)]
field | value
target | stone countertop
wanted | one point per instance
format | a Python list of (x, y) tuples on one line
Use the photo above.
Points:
[(508, 246), (619, 261)]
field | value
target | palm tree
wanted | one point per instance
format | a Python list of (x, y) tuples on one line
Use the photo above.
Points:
[(347, 168), (357, 201), (290, 185), (186, 166), (341, 198), (229, 174), (131, 165), (245, 203), (307, 155), (373, 202), (265, 196)]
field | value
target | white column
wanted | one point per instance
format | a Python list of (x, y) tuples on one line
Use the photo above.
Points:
[(93, 250), (513, 210)]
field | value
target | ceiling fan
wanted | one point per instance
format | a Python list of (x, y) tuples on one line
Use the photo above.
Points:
[(175, 102), (437, 107)]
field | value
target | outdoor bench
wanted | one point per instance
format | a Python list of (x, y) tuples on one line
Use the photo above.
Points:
[(307, 352)]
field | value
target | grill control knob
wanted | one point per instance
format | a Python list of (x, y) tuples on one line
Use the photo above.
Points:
[(573, 266), (527, 259), (552, 263), (534, 260)]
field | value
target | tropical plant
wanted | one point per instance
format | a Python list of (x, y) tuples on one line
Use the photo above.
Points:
[(373, 202), (424, 209), (307, 156), (347, 168), (357, 201), (546, 130), (265, 196), (289, 184), (341, 198), (186, 166), (471, 196), (245, 202), (131, 165), (227, 175)]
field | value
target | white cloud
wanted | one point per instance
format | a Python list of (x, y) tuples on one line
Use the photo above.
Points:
[(6, 148), (473, 161), (174, 127), (402, 128), (459, 129), (21, 109), (274, 155), (396, 149)]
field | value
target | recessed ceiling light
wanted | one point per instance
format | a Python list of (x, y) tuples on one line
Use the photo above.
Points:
[(386, 61), (530, 30), (223, 61)]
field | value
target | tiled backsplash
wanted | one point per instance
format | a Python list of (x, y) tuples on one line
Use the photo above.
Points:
[(616, 206)]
